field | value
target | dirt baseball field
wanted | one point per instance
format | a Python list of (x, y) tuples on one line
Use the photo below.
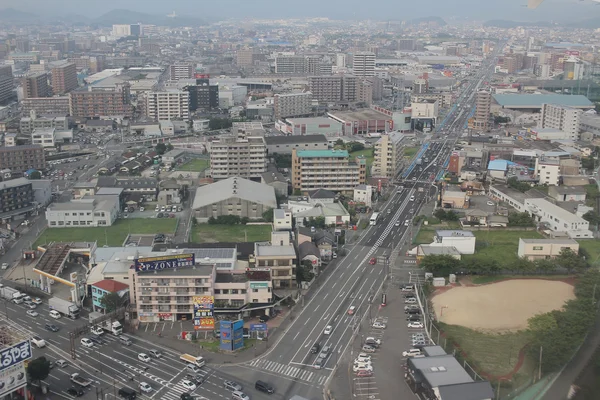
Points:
[(503, 306)]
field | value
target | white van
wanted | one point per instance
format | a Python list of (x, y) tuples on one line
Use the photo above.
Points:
[(55, 314)]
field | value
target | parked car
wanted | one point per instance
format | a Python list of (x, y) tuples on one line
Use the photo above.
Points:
[(369, 349), (415, 324), (411, 353), (362, 367), (232, 386), (76, 392), (364, 373), (379, 325)]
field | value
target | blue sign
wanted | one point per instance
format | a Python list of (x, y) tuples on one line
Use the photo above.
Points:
[(15, 354), (164, 262), (258, 327), (226, 336), (238, 334)]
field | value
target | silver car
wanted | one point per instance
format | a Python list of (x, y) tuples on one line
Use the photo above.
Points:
[(232, 386)]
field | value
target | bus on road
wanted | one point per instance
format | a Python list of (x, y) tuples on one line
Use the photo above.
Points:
[(374, 218)]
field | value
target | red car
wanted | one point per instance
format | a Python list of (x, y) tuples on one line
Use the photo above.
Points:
[(363, 373), (373, 261)]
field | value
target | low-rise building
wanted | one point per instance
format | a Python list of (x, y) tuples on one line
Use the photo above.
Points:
[(16, 198), (33, 122), (22, 158), (310, 126), (233, 196), (282, 219), (557, 219), (567, 193), (278, 258), (173, 157), (463, 241), (454, 197), (547, 172), (363, 194), (285, 144), (86, 212), (335, 214), (104, 287), (146, 187), (276, 180), (543, 249)]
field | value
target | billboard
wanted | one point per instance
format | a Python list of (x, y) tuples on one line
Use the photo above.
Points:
[(198, 75), (258, 327), (204, 312), (238, 334), (226, 336), (12, 378), (15, 354), (164, 262)]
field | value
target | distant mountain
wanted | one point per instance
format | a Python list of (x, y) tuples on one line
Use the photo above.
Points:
[(424, 20), (501, 23), (134, 17), (12, 15), (592, 23)]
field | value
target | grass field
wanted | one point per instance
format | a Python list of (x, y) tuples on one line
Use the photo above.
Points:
[(495, 354), (366, 153), (501, 246), (111, 235), (195, 165), (409, 152), (592, 246), (205, 233)]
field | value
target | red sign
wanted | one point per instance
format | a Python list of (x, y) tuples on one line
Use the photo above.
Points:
[(201, 76), (205, 324), (572, 53)]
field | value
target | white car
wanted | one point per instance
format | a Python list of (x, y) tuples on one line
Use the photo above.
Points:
[(4, 265), (188, 385), (143, 357), (36, 300), (157, 208), (397, 223), (328, 330), (410, 300), (364, 367), (379, 325), (85, 342), (144, 387), (415, 324), (96, 330), (371, 339), (411, 353), (365, 359), (61, 363), (490, 203), (32, 313)]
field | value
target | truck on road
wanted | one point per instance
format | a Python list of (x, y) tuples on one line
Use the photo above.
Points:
[(64, 307), (9, 293), (80, 380), (113, 326), (419, 161), (190, 359)]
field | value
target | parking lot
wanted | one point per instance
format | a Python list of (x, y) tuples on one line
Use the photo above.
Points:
[(386, 379)]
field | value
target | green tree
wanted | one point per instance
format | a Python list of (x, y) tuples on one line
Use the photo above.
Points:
[(518, 185), (592, 217), (588, 162), (219, 123), (169, 147), (304, 272), (571, 261), (268, 215), (38, 369), (339, 142), (522, 219), (160, 149), (440, 265), (283, 160), (354, 146), (111, 302), (35, 175)]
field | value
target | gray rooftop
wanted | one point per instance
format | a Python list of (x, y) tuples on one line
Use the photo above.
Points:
[(440, 371), (536, 100), (13, 183), (480, 390), (454, 233), (296, 139), (266, 250), (235, 188), (550, 241)]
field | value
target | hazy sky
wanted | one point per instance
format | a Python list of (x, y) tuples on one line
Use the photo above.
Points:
[(560, 10)]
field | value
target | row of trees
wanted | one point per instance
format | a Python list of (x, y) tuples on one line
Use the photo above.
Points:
[(444, 265), (558, 334)]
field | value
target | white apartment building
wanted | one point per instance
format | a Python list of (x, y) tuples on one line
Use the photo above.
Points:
[(291, 64), (463, 241), (558, 219), (363, 64), (561, 117), (388, 155), (181, 70), (238, 156), (292, 105), (170, 104), (364, 194), (547, 171), (426, 109)]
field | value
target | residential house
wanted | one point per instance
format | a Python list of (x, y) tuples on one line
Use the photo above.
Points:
[(169, 192), (279, 257), (334, 214), (276, 180), (104, 287), (463, 241), (309, 253), (454, 197), (282, 219), (536, 249)]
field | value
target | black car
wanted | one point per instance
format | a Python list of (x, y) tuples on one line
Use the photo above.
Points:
[(409, 296), (186, 396), (96, 339), (51, 327), (196, 379), (413, 318), (264, 387), (263, 318), (315, 349), (77, 392)]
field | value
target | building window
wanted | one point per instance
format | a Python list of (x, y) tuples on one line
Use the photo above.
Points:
[(538, 248)]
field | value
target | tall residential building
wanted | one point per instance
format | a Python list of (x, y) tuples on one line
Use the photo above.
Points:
[(93, 102), (36, 85), (363, 64), (573, 69), (124, 30), (6, 83), (22, 158), (171, 104), (64, 78), (407, 44), (290, 65), (59, 105), (203, 95), (388, 155), (238, 155), (565, 118), (327, 169), (293, 105), (181, 70), (483, 105), (245, 57), (16, 197), (420, 86), (340, 60), (335, 88)]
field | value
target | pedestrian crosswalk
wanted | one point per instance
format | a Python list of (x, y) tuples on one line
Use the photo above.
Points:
[(291, 371), (175, 392)]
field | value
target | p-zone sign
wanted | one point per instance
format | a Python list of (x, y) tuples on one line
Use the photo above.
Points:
[(164, 262)]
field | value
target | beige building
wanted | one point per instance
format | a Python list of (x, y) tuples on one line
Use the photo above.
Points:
[(233, 196), (388, 155), (537, 249), (64, 77), (170, 104), (245, 57), (565, 118), (292, 105), (238, 155), (327, 169), (279, 258), (483, 105), (36, 85)]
